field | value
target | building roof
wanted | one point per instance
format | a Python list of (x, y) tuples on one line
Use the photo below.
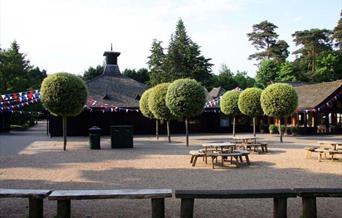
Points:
[(114, 91), (312, 95), (216, 92)]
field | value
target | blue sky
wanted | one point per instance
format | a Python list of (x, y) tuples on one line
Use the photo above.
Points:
[(72, 35)]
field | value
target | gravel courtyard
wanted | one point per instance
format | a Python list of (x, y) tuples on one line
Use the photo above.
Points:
[(31, 159)]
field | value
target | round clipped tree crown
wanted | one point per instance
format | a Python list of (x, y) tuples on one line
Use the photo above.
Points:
[(63, 94), (157, 104), (229, 103), (185, 98), (143, 104), (279, 100), (249, 102)]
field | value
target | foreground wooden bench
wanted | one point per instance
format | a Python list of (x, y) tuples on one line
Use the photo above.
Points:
[(279, 198), (35, 197), (309, 196), (157, 197)]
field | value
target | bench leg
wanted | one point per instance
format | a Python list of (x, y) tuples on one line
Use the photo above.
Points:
[(247, 159), (279, 207), (158, 207), (241, 160), (187, 208), (35, 207), (194, 160), (63, 209), (237, 161), (309, 207)]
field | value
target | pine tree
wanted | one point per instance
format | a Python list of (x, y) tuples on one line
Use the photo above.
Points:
[(337, 33), (156, 63), (184, 59), (264, 38)]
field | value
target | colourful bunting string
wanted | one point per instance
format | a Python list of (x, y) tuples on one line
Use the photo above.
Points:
[(15, 101)]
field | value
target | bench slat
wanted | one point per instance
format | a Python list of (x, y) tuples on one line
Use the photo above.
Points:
[(319, 192), (24, 193), (110, 194), (237, 193)]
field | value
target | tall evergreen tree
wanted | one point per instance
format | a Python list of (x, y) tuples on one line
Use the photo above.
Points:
[(16, 72), (93, 72), (337, 33), (267, 73), (264, 38), (184, 59), (312, 42), (155, 64)]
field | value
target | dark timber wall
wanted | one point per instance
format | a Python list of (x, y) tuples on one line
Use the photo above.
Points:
[(208, 122)]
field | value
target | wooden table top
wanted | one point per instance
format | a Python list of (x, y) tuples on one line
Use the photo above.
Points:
[(218, 144)]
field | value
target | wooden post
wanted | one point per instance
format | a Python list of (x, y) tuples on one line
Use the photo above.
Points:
[(158, 207), (187, 131), (65, 131), (254, 127), (233, 126), (187, 208), (280, 133), (63, 209), (309, 207), (35, 207), (168, 130), (157, 129), (279, 207)]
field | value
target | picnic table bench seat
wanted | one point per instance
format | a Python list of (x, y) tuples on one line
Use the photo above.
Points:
[(235, 155), (64, 198)]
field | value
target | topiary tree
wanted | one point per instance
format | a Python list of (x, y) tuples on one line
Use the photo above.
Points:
[(65, 95), (185, 98), (157, 105), (229, 105), (249, 104), (145, 109), (279, 100)]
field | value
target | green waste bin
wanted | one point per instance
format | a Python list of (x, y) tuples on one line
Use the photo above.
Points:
[(94, 137), (121, 136)]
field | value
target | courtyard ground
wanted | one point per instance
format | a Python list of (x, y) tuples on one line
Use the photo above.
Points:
[(31, 159)]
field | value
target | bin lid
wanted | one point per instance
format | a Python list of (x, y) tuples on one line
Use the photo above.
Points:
[(95, 128)]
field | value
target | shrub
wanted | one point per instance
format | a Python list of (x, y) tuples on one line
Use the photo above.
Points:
[(185, 98), (279, 100), (249, 103), (143, 104), (272, 129), (294, 130), (157, 105), (64, 94), (229, 105)]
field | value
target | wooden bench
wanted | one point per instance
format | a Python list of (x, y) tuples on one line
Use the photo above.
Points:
[(194, 155), (235, 155), (35, 197), (157, 197), (309, 196), (310, 150), (245, 154), (279, 198)]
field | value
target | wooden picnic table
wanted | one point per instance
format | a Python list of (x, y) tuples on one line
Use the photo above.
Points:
[(245, 139), (328, 147), (333, 144), (217, 146)]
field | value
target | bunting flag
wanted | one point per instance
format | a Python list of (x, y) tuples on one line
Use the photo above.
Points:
[(329, 103), (15, 101)]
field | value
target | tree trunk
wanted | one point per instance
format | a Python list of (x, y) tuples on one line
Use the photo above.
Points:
[(233, 126), (168, 130), (157, 129), (254, 127), (187, 131), (65, 132), (280, 133)]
